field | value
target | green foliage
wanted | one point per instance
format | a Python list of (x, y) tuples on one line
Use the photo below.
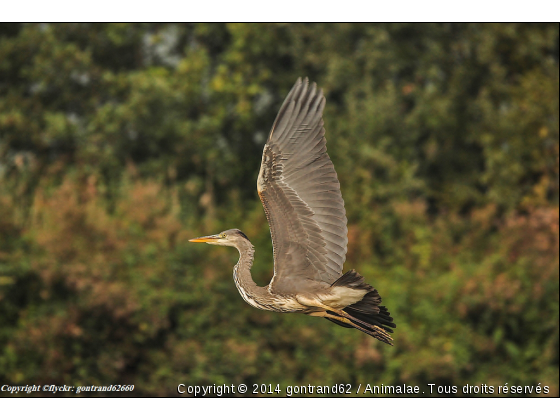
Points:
[(118, 142)]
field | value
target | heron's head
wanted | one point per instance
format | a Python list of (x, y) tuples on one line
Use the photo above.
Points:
[(231, 237)]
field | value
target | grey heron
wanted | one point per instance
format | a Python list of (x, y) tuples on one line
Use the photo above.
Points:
[(300, 193)]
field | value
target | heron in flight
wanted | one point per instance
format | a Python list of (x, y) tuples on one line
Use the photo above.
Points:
[(300, 193)]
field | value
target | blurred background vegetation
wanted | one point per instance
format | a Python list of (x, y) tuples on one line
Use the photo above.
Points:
[(118, 142)]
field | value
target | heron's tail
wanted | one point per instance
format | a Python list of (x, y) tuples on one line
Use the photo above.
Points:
[(366, 315)]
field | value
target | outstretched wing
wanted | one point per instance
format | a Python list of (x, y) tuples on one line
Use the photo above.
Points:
[(300, 192)]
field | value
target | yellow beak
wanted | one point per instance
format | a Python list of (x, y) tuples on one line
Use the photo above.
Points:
[(211, 238)]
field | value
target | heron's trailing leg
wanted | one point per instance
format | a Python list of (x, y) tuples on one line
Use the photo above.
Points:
[(344, 319), (348, 316)]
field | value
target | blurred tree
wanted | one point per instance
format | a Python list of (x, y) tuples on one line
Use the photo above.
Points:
[(119, 141)]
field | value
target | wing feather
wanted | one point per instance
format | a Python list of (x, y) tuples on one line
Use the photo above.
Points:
[(300, 192)]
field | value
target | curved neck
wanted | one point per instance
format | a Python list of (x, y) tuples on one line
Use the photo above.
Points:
[(254, 295)]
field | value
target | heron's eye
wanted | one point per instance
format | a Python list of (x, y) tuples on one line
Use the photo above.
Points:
[(223, 235)]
